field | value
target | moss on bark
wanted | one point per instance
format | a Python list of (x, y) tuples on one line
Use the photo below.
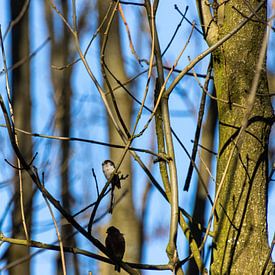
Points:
[(240, 244)]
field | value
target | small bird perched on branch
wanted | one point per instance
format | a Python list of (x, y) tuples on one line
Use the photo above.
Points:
[(108, 168), (115, 244)]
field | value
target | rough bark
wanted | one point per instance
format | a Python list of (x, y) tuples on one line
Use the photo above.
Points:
[(240, 243), (21, 101), (124, 216)]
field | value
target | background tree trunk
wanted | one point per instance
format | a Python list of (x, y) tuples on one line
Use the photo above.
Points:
[(21, 101), (124, 216), (61, 79), (207, 141)]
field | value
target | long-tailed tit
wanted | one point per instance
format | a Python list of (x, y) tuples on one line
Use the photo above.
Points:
[(108, 168), (115, 244)]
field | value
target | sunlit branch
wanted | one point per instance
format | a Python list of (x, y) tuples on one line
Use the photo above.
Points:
[(75, 250), (85, 141)]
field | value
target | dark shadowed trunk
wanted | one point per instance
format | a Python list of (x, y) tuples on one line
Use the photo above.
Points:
[(21, 101), (205, 164)]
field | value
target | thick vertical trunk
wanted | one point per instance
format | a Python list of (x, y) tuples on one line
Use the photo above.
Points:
[(240, 243), (21, 101)]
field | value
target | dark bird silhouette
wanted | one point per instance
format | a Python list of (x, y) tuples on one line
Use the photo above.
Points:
[(115, 244), (108, 168)]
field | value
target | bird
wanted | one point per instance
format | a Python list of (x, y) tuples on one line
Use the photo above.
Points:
[(108, 168), (115, 245)]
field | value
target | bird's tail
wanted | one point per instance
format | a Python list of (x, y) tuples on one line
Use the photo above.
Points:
[(111, 201), (117, 268)]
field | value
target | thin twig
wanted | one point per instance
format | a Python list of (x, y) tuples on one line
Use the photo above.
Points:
[(206, 149), (131, 45), (130, 3), (184, 17), (206, 168), (57, 234), (27, 58), (18, 18), (198, 129), (96, 183), (89, 44), (148, 77), (210, 50), (85, 140), (103, 65), (61, 16), (12, 121), (175, 32)]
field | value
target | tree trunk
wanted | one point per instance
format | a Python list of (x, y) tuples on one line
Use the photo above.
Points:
[(61, 79), (240, 243), (124, 216), (207, 141), (21, 102)]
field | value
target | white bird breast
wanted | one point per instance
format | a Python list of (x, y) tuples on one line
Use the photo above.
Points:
[(108, 168)]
